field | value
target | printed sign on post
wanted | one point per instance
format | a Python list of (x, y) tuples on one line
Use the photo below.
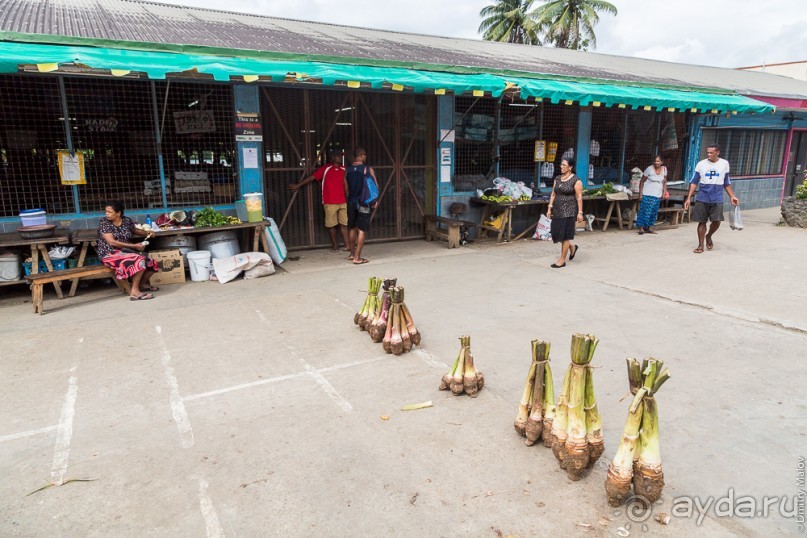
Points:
[(71, 168), (195, 121)]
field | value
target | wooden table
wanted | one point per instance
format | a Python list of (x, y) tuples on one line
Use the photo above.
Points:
[(505, 232), (596, 202), (37, 246), (87, 238)]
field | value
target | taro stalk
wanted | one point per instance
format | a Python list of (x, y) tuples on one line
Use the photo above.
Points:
[(535, 422), (469, 381), (445, 382), (457, 384), (578, 451), (596, 444), (392, 336), (549, 405), (368, 310), (648, 477), (411, 328), (406, 339), (524, 406), (561, 421), (378, 327)]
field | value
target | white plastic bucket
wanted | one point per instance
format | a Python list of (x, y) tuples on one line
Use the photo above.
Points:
[(199, 264), (9, 267)]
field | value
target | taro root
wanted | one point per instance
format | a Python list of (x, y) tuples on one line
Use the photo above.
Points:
[(463, 375), (378, 327), (371, 305), (537, 424)]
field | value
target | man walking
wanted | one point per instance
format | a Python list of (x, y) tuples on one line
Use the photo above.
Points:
[(358, 211), (712, 174), (332, 176)]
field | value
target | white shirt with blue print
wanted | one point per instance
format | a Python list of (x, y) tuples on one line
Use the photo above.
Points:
[(711, 178)]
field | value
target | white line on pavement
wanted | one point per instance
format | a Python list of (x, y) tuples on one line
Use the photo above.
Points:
[(61, 453), (29, 433), (178, 410), (212, 524), (327, 387), (242, 386), (428, 359)]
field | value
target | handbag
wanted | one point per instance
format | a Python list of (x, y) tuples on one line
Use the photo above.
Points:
[(369, 192)]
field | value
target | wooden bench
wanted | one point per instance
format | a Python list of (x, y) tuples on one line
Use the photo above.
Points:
[(39, 280), (451, 233), (673, 214)]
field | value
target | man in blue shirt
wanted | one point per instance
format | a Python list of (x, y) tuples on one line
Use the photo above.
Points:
[(712, 174)]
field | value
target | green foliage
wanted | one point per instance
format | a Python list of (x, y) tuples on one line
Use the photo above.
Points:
[(510, 21), (210, 217), (605, 188), (569, 24), (801, 191)]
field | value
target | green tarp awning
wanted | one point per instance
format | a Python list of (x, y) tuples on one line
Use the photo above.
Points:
[(120, 61)]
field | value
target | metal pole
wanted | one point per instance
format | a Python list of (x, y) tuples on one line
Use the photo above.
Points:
[(68, 137), (624, 145), (158, 131)]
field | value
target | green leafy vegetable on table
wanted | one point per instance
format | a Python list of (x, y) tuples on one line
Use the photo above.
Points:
[(210, 217)]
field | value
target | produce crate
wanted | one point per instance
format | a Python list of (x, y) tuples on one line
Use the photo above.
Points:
[(58, 265)]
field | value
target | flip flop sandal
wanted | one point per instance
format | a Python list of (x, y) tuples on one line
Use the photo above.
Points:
[(152, 288), (144, 297), (360, 261), (698, 250)]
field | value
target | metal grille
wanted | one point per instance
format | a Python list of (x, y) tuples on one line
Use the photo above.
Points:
[(750, 152), (475, 120), (522, 123), (198, 143), (112, 123), (629, 139), (31, 130)]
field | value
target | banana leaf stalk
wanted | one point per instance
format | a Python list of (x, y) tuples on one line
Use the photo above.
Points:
[(578, 451)]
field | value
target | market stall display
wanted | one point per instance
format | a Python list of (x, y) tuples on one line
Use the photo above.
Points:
[(463, 375), (577, 440), (638, 459)]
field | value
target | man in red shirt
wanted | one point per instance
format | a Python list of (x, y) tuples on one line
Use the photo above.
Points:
[(332, 176)]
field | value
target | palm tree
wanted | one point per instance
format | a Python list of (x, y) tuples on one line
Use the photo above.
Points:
[(510, 21), (570, 23)]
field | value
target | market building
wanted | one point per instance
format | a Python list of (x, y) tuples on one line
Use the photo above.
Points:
[(178, 107)]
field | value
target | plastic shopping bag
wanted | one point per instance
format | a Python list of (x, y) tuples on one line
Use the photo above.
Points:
[(735, 219), (542, 232)]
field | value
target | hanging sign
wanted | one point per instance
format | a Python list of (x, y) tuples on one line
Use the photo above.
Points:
[(71, 168), (195, 121), (248, 127)]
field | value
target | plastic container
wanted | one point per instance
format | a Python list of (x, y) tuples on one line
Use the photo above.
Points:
[(9, 267), (254, 203), (220, 244), (199, 264), (33, 217), (241, 210), (185, 244), (58, 265)]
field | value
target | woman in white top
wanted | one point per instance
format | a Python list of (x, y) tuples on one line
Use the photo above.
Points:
[(651, 189)]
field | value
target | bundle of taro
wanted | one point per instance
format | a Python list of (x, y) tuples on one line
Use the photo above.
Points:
[(401, 333), (463, 376), (537, 409), (371, 305), (378, 326), (638, 458), (577, 429)]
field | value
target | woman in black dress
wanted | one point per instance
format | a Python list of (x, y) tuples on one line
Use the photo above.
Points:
[(565, 210)]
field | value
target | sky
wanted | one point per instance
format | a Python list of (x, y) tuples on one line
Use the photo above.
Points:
[(720, 33)]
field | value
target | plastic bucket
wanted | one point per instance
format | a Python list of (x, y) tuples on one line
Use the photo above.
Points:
[(219, 244), (241, 210), (9, 267), (199, 264), (254, 202)]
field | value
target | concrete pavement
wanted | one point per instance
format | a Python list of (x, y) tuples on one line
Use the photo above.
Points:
[(254, 408)]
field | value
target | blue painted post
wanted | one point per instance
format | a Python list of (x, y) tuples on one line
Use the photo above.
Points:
[(583, 144), (445, 148), (158, 138), (249, 139), (68, 137)]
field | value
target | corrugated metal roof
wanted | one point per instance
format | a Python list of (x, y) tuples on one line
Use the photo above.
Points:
[(148, 22)]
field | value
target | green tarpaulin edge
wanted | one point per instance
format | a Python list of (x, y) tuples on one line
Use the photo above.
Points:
[(158, 64)]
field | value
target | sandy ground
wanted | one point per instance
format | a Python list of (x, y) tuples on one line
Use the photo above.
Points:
[(254, 408)]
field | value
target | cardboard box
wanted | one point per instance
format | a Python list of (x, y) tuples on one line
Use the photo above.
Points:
[(172, 267)]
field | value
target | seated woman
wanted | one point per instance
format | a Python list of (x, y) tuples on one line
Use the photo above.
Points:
[(127, 259)]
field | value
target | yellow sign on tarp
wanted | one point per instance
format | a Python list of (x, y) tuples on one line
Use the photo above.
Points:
[(71, 168)]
